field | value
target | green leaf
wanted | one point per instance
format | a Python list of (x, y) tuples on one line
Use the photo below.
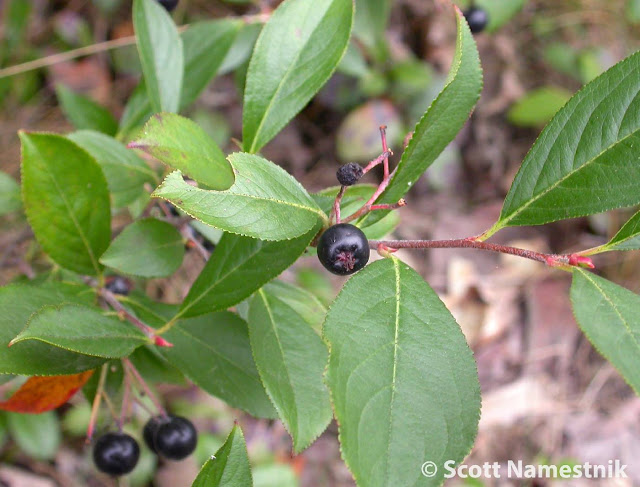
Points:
[(126, 173), (292, 379), (238, 267), (500, 11), (146, 248), (402, 378), (264, 202), (17, 303), (296, 53), (84, 113), (632, 11), (441, 122), (306, 305), (229, 467), (160, 49), (205, 46), (608, 316), (66, 200), (275, 475), (136, 112), (370, 21), (182, 144), (214, 352), (538, 106), (627, 238), (154, 367), (241, 50), (38, 435), (10, 199), (82, 329), (16, 20), (586, 159)]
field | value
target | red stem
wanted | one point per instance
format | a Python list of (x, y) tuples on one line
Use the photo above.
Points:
[(366, 208), (145, 387), (385, 149), (553, 260), (335, 211), (125, 400), (381, 158), (111, 299)]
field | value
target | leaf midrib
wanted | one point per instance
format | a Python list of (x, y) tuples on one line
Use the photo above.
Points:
[(272, 322), (220, 279), (396, 270), (504, 221), (216, 353), (300, 206), (613, 306), (83, 237), (282, 82)]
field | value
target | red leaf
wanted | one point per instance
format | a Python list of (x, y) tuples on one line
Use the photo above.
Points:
[(41, 394)]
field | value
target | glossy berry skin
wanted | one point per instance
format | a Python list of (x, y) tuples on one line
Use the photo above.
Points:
[(477, 18), (116, 454), (343, 249), (168, 4), (349, 174), (172, 437), (150, 430)]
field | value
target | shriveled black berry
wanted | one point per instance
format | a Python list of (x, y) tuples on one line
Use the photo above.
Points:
[(343, 249), (477, 18), (172, 437), (116, 454), (118, 285), (168, 4), (349, 174)]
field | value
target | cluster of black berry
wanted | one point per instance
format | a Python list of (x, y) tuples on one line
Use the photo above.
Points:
[(170, 437)]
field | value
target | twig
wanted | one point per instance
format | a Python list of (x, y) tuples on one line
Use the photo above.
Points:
[(111, 299), (385, 149), (96, 402), (335, 211), (156, 402), (553, 260), (125, 399)]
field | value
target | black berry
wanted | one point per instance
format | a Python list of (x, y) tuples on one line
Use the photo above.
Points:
[(118, 285), (168, 4), (349, 174), (208, 245), (477, 18), (343, 249), (116, 453), (150, 430), (171, 437), (173, 210)]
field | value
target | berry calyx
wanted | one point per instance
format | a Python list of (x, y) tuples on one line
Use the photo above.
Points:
[(349, 174), (168, 4), (116, 454), (118, 285), (477, 18), (343, 249), (172, 437)]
